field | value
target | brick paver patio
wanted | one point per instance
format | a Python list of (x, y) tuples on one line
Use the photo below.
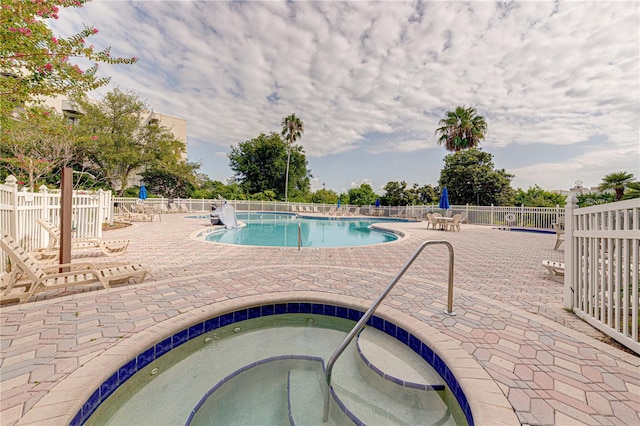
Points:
[(551, 367)]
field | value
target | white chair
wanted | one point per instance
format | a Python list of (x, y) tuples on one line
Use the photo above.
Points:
[(556, 270), (454, 225)]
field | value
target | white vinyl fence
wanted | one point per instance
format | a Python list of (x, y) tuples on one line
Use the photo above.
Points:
[(19, 210), (510, 216), (602, 262)]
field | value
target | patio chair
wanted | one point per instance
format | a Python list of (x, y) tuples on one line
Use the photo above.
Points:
[(556, 270), (454, 225), (108, 247), (464, 218), (26, 278), (430, 221)]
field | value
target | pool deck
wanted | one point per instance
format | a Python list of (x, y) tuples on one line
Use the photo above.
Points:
[(551, 367)]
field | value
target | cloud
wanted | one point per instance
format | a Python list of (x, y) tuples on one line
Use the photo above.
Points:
[(378, 76)]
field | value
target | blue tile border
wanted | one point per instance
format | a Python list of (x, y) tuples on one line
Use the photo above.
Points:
[(159, 349)]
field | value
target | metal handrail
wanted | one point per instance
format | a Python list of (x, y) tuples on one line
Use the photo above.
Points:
[(299, 236), (356, 329)]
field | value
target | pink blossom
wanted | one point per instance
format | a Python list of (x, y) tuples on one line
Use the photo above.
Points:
[(77, 68), (13, 30), (95, 31), (54, 40), (46, 113), (54, 16), (82, 40), (48, 67), (94, 138)]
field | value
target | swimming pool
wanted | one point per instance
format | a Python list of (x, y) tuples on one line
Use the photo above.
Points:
[(281, 230)]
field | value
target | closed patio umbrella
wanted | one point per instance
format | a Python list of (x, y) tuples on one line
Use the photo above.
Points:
[(444, 199), (143, 193)]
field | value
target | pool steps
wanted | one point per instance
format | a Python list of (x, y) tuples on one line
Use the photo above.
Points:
[(380, 382), (382, 387)]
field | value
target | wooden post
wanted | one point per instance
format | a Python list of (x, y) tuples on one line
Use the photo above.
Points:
[(66, 200)]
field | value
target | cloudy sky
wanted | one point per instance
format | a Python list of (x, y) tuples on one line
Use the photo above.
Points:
[(558, 82)]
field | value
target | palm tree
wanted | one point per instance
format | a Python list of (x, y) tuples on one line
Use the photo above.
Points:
[(617, 181), (292, 129), (462, 129), (633, 191)]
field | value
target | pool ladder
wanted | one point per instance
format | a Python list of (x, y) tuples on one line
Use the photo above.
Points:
[(360, 325)]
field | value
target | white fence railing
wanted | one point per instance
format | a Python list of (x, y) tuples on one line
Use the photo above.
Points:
[(510, 216), (19, 210), (602, 262)]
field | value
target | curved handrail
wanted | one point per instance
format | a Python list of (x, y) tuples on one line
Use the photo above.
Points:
[(356, 329)]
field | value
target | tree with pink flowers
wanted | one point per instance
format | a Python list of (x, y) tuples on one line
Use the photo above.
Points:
[(34, 62)]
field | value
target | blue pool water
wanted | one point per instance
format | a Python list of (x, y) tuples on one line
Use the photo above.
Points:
[(281, 230)]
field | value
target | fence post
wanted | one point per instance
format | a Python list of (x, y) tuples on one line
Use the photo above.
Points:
[(522, 215), (12, 182), (44, 236), (569, 294), (491, 220), (102, 212)]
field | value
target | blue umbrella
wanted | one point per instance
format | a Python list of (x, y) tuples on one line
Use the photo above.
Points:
[(143, 193), (338, 202), (444, 199), (377, 202)]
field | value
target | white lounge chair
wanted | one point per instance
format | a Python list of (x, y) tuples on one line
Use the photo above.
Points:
[(26, 278), (108, 247), (559, 228), (130, 216), (556, 269)]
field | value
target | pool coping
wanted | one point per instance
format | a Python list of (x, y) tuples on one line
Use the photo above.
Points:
[(487, 402)]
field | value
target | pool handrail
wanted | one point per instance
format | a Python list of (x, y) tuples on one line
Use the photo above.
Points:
[(356, 329)]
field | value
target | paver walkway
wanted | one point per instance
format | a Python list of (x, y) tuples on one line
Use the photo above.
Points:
[(550, 365)]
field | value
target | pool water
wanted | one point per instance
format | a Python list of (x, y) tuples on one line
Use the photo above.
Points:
[(260, 371), (281, 230)]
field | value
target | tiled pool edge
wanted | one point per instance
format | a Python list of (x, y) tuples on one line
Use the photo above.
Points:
[(89, 384)]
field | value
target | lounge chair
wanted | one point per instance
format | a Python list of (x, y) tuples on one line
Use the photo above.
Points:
[(27, 278), (556, 269), (108, 247), (130, 216), (559, 228), (183, 208)]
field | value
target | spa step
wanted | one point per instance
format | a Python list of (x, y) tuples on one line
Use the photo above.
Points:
[(390, 404), (386, 363)]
